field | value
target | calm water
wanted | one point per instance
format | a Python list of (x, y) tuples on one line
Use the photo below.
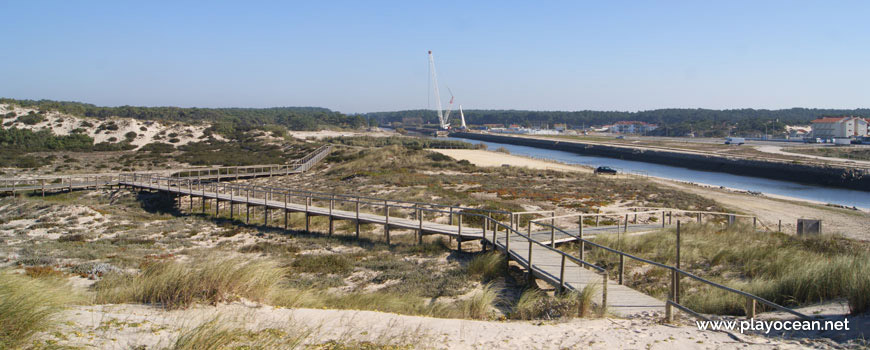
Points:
[(785, 188)]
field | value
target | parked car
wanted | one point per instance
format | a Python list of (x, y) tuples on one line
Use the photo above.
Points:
[(735, 141), (605, 170)]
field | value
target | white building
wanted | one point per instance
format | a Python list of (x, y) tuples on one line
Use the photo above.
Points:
[(842, 127), (631, 127)]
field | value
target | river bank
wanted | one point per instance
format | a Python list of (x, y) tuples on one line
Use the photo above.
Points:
[(851, 178), (769, 208)]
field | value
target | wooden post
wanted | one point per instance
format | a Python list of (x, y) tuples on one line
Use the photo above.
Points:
[(459, 234), (307, 215), (357, 217), (387, 221), (626, 224), (635, 216), (494, 232), (663, 219), (750, 308), (582, 243), (420, 227), (669, 311), (507, 248), (451, 215), (190, 192), (331, 218), (678, 244), (621, 268), (217, 206), (531, 276), (552, 230), (754, 222), (779, 229), (512, 220), (562, 276), (247, 213), (42, 181), (265, 216), (676, 274), (603, 294), (699, 218), (670, 217), (286, 213)]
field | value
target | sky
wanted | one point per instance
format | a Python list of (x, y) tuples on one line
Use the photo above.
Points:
[(365, 56)]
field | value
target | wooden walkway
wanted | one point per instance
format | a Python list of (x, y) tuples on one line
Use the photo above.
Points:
[(69, 182), (547, 263)]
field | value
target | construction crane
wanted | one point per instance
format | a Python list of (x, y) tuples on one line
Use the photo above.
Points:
[(462, 117), (443, 118)]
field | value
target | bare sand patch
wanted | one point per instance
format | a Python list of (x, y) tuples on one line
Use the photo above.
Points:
[(495, 159), (126, 326)]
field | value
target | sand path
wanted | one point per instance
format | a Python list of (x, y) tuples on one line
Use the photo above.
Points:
[(495, 159), (155, 328)]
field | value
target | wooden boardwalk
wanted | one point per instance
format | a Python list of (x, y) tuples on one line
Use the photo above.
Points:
[(547, 263)]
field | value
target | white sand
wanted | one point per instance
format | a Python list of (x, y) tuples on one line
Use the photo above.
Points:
[(63, 124), (495, 159), (125, 326)]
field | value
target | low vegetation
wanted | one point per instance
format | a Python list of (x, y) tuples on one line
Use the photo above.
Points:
[(29, 306), (785, 269), (172, 285)]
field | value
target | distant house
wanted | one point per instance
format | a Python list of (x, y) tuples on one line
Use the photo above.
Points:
[(560, 126), (842, 127), (493, 126), (632, 127)]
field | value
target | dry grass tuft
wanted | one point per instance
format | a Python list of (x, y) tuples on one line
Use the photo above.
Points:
[(488, 266), (28, 306), (178, 285)]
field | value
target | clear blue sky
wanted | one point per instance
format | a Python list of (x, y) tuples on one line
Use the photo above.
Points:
[(360, 56)]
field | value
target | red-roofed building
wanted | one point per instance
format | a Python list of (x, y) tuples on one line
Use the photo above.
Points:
[(840, 127)]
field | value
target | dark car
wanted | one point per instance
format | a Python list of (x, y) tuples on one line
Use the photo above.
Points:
[(605, 170)]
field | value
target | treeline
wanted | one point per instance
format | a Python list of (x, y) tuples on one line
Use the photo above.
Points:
[(226, 120), (672, 122)]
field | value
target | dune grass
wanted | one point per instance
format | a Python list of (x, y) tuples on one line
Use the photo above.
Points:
[(220, 334), (536, 304), (29, 306), (786, 269), (178, 285), (217, 334), (488, 266), (478, 305)]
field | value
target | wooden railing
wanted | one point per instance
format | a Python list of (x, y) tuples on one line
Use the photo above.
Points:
[(674, 288), (491, 227)]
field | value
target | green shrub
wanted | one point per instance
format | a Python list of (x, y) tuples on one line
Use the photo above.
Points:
[(31, 118), (329, 263)]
